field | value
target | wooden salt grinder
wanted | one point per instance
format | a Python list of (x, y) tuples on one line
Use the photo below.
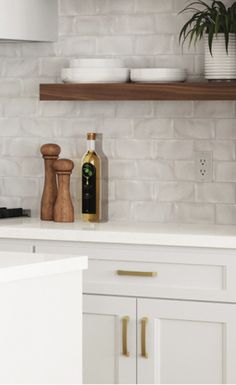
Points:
[(50, 153), (63, 209)]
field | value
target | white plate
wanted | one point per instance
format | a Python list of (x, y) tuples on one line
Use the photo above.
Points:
[(152, 75), (96, 63), (95, 75)]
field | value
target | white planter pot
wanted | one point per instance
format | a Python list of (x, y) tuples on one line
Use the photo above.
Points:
[(220, 66)]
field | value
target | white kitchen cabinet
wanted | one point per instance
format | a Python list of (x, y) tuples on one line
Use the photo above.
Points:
[(33, 20), (109, 340), (186, 342)]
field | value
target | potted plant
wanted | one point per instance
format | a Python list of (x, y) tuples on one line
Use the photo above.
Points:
[(216, 23)]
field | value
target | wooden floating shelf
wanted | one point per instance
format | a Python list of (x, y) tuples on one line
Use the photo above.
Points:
[(140, 91)]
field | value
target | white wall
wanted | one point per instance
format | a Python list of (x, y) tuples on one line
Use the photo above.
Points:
[(150, 145)]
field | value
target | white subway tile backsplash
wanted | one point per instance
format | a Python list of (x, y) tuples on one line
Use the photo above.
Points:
[(139, 191), (174, 191), (134, 149), (155, 170), (225, 171), (153, 128), (173, 149), (194, 128), (226, 214), (151, 45), (215, 192), (226, 128), (221, 149), (214, 109), (194, 213), (147, 147), (114, 45), (175, 109), (152, 212)]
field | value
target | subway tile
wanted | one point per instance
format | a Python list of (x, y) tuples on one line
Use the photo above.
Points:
[(10, 167), (175, 109), (52, 66), (96, 25), (215, 192), (21, 67), (225, 171), (226, 128), (22, 187), (221, 149), (21, 107), (135, 24), (39, 127), (134, 109), (214, 109), (9, 127), (173, 149), (151, 45), (194, 128), (152, 212), (57, 109), (114, 6), (134, 149), (114, 45), (10, 88), (122, 169), (174, 191), (77, 7), (33, 167), (225, 214), (133, 190), (185, 170), (95, 109), (119, 210), (21, 147), (149, 6), (156, 170), (75, 45), (194, 213), (153, 128)]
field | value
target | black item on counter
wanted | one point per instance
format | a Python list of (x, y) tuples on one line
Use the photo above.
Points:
[(13, 213)]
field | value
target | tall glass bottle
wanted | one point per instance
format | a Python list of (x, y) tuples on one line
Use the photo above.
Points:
[(91, 165)]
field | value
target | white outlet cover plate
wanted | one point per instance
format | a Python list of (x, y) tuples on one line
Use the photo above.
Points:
[(204, 166)]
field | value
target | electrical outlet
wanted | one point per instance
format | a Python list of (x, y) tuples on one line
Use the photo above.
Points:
[(203, 166)]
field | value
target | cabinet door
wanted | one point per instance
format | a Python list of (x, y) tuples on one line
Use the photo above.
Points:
[(186, 342), (105, 330)]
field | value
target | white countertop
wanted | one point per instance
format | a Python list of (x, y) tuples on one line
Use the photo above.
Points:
[(139, 234), (16, 265)]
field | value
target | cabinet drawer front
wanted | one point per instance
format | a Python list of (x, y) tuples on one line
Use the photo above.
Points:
[(158, 280), (155, 272)]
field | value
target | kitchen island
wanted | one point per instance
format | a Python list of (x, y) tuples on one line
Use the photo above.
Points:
[(41, 318), (159, 300)]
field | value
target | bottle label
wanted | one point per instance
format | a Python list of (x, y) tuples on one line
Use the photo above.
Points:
[(88, 188)]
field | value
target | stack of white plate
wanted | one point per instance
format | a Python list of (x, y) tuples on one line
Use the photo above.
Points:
[(158, 75), (95, 71)]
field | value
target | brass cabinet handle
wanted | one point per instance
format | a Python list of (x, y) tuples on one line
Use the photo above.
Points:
[(137, 273), (144, 322), (125, 321)]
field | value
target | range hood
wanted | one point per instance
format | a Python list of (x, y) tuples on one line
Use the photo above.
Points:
[(32, 20)]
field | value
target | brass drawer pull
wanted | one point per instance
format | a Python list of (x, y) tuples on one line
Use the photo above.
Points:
[(137, 273), (125, 321), (144, 322)]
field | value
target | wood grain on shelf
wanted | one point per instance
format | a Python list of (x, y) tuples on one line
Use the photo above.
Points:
[(140, 91)]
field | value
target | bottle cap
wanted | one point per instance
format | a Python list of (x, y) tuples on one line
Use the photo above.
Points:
[(91, 136)]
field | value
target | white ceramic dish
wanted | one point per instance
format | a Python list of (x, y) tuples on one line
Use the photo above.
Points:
[(96, 63), (152, 75), (95, 75)]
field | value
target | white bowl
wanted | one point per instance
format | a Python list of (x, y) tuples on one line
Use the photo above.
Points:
[(152, 75), (96, 63), (95, 75)]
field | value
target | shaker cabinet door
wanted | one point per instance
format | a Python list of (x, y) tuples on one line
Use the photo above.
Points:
[(182, 342), (109, 340)]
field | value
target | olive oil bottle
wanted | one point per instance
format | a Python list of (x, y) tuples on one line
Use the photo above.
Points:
[(91, 165)]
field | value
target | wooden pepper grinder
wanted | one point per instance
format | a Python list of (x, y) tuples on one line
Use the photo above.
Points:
[(63, 209), (50, 153)]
